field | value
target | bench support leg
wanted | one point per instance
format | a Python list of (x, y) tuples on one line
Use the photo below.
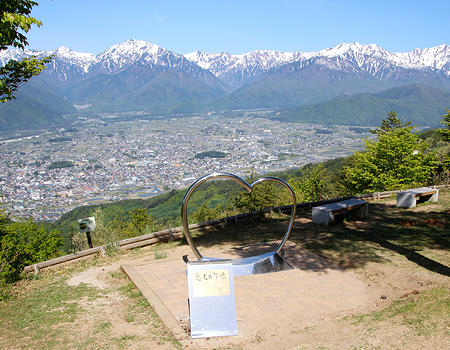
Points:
[(363, 212), (406, 200), (435, 197), (323, 217)]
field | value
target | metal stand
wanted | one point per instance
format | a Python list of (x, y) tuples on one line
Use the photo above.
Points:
[(88, 236)]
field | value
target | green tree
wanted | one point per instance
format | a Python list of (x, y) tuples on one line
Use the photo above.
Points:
[(15, 20), (445, 133), (446, 121), (396, 159), (205, 213), (24, 243), (389, 124), (265, 195), (139, 222), (312, 185)]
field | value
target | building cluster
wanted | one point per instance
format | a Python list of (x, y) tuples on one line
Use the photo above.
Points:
[(115, 160)]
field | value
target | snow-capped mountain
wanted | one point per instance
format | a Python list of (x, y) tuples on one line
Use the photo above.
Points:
[(131, 52), (64, 55), (235, 70), (137, 75), (238, 69), (115, 59)]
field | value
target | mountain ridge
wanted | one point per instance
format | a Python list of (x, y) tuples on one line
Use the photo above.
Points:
[(416, 103), (137, 76), (119, 55)]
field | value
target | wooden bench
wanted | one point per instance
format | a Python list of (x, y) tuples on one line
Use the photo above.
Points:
[(326, 214), (409, 198)]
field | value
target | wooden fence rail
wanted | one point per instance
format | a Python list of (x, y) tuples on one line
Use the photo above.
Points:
[(177, 232)]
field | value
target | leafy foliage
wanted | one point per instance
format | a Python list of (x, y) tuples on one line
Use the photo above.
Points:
[(312, 186), (205, 213), (446, 121), (15, 73), (24, 243), (164, 208), (389, 124), (445, 133), (397, 159), (14, 20), (265, 195), (15, 16), (138, 222)]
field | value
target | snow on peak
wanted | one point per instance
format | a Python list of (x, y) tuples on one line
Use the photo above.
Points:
[(129, 52), (80, 60), (370, 57), (434, 57), (354, 48), (63, 51), (210, 61), (132, 45), (222, 63)]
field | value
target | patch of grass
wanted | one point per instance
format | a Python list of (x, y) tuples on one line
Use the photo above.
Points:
[(118, 274), (130, 291), (122, 341), (423, 313), (366, 346), (141, 311), (160, 254), (130, 318), (103, 327), (40, 313)]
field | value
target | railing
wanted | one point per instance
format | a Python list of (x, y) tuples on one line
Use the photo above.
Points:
[(177, 232)]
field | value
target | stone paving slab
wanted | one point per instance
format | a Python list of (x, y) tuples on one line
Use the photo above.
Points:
[(282, 299)]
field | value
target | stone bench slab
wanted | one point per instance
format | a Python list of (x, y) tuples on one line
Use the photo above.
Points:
[(408, 199), (325, 214)]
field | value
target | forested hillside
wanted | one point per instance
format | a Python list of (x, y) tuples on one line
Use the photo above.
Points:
[(420, 104)]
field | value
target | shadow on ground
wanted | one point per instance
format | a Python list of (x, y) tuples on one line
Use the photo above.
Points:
[(348, 244)]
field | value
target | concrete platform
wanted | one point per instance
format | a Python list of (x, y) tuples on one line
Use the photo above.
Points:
[(265, 303)]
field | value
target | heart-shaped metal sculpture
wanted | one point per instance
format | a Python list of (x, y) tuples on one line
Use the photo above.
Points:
[(258, 263)]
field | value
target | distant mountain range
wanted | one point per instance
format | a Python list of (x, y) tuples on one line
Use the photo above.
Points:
[(419, 104), (140, 76)]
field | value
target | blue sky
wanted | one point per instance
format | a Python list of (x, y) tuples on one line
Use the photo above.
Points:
[(240, 26)]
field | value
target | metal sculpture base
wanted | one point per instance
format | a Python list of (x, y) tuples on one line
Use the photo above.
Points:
[(264, 263)]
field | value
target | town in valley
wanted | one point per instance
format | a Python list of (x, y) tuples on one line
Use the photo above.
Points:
[(46, 173)]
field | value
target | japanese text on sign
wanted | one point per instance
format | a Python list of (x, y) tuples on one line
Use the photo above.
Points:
[(209, 283)]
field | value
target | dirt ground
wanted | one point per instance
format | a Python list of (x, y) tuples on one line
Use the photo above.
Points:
[(388, 280), (114, 313), (336, 329)]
